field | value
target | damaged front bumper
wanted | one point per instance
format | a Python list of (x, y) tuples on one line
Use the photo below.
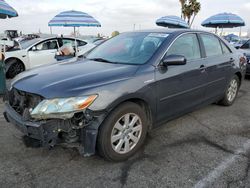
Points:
[(49, 132)]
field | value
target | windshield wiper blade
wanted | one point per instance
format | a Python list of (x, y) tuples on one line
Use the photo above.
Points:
[(102, 60)]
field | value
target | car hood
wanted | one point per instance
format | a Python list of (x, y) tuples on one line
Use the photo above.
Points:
[(13, 53), (245, 51), (72, 79)]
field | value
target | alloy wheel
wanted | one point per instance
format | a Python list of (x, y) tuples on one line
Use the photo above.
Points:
[(232, 90), (15, 69), (126, 133)]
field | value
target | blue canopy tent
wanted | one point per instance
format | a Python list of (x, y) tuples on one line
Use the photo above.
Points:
[(6, 11), (223, 20), (172, 22), (74, 19)]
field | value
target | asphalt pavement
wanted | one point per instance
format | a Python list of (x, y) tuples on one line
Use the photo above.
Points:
[(207, 148)]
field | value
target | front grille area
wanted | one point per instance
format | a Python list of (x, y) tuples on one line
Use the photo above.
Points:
[(22, 102)]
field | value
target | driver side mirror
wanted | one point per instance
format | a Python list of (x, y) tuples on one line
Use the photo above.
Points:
[(174, 60), (34, 48)]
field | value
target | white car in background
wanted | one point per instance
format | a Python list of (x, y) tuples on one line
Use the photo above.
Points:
[(32, 53)]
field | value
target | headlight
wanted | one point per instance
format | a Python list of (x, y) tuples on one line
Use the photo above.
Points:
[(63, 108)]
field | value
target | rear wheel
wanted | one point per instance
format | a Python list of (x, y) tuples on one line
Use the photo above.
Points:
[(231, 92), (123, 132), (13, 68)]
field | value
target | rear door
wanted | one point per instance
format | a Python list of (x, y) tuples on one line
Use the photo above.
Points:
[(218, 61), (181, 87)]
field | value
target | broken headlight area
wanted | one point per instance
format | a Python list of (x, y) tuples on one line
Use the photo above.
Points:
[(61, 108), (58, 131), (56, 121)]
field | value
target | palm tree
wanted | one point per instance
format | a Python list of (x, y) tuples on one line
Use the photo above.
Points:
[(183, 2), (187, 13), (190, 10), (196, 6)]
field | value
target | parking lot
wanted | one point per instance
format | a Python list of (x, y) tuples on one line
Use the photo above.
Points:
[(207, 148)]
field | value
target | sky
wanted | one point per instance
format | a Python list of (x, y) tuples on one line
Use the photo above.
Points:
[(120, 15)]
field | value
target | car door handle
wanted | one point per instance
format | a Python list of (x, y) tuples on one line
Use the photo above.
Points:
[(202, 68), (231, 60)]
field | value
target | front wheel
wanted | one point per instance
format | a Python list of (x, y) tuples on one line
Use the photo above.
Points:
[(13, 68), (231, 92), (123, 132)]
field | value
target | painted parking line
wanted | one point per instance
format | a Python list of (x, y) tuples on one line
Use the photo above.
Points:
[(219, 170)]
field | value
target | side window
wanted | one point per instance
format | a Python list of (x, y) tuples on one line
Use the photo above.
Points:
[(225, 49), (53, 45), (186, 45), (72, 42), (47, 45), (211, 44), (81, 43), (246, 45), (68, 42)]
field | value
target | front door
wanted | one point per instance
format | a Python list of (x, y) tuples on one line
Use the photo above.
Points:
[(181, 87), (43, 53)]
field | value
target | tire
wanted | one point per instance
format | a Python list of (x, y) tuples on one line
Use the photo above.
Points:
[(127, 137), (13, 68), (231, 92)]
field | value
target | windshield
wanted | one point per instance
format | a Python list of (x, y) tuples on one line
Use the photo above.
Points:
[(128, 48), (27, 44)]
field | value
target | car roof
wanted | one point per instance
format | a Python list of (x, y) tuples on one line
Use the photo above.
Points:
[(41, 39), (170, 30), (51, 38)]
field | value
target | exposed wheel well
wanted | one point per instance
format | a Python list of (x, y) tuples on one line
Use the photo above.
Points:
[(239, 76), (144, 105)]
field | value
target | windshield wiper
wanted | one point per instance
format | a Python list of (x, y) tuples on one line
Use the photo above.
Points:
[(102, 60)]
